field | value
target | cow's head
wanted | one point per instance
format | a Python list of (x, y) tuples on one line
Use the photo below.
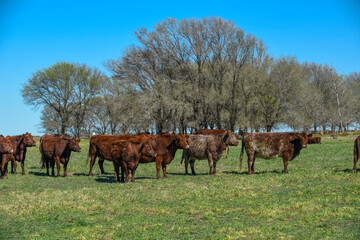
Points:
[(29, 140), (181, 141), (230, 139), (147, 150), (304, 139), (74, 145), (5, 145)]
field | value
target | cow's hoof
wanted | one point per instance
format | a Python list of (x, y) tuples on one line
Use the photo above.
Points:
[(354, 170)]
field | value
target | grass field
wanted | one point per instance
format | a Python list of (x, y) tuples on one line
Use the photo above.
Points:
[(318, 199)]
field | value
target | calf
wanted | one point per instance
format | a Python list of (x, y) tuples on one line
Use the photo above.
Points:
[(272, 145), (208, 147), (126, 154), (5, 148), (356, 152), (57, 149), (314, 140)]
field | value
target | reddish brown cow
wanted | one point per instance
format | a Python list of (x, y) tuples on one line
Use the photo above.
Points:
[(356, 152), (164, 145), (5, 148), (272, 145), (314, 140), (19, 145), (208, 147), (100, 146), (57, 149), (214, 132), (126, 154)]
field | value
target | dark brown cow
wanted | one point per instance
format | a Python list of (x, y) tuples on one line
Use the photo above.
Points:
[(272, 145), (164, 145), (208, 147), (5, 148), (214, 132), (356, 152), (314, 140), (126, 154), (57, 149), (19, 145)]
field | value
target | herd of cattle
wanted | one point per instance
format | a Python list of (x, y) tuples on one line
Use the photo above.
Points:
[(127, 151)]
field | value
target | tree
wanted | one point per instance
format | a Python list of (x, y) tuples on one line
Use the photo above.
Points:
[(64, 89)]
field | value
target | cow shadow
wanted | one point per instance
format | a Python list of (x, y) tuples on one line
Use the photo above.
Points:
[(106, 179), (260, 172), (41, 174), (80, 174), (347, 170), (190, 174)]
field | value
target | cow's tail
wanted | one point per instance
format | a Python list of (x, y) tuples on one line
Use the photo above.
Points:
[(241, 154)]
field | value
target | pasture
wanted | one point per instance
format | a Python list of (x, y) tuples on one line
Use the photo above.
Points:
[(318, 199)]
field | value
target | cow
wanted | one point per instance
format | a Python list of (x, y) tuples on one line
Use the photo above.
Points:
[(126, 154), (271, 145), (356, 152), (57, 149), (5, 148), (214, 132), (19, 145), (208, 147), (314, 140), (165, 146)]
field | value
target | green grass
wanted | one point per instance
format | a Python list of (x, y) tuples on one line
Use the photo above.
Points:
[(318, 199)]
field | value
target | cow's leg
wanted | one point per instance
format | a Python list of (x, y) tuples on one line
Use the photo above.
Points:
[(286, 158), (251, 160), (159, 160), (47, 167), (92, 162), (133, 174), (22, 168), (186, 157), (101, 165), (211, 163), (214, 171), (13, 165), (192, 163), (164, 170), (356, 157), (116, 168), (6, 169), (65, 167), (57, 160), (52, 167), (227, 151), (3, 163)]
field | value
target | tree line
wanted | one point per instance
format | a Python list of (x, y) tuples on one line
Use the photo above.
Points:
[(191, 74)]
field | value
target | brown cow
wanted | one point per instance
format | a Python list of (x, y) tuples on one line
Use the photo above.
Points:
[(208, 147), (214, 132), (57, 149), (5, 148), (272, 145), (126, 154), (19, 145), (314, 140), (100, 146), (356, 152), (164, 145)]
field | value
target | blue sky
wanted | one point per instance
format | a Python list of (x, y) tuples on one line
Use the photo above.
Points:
[(36, 34)]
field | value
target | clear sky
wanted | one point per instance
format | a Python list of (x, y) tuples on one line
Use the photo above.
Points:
[(36, 34)]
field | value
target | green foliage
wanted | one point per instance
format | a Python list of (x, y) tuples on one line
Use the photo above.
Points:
[(318, 199), (344, 134)]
